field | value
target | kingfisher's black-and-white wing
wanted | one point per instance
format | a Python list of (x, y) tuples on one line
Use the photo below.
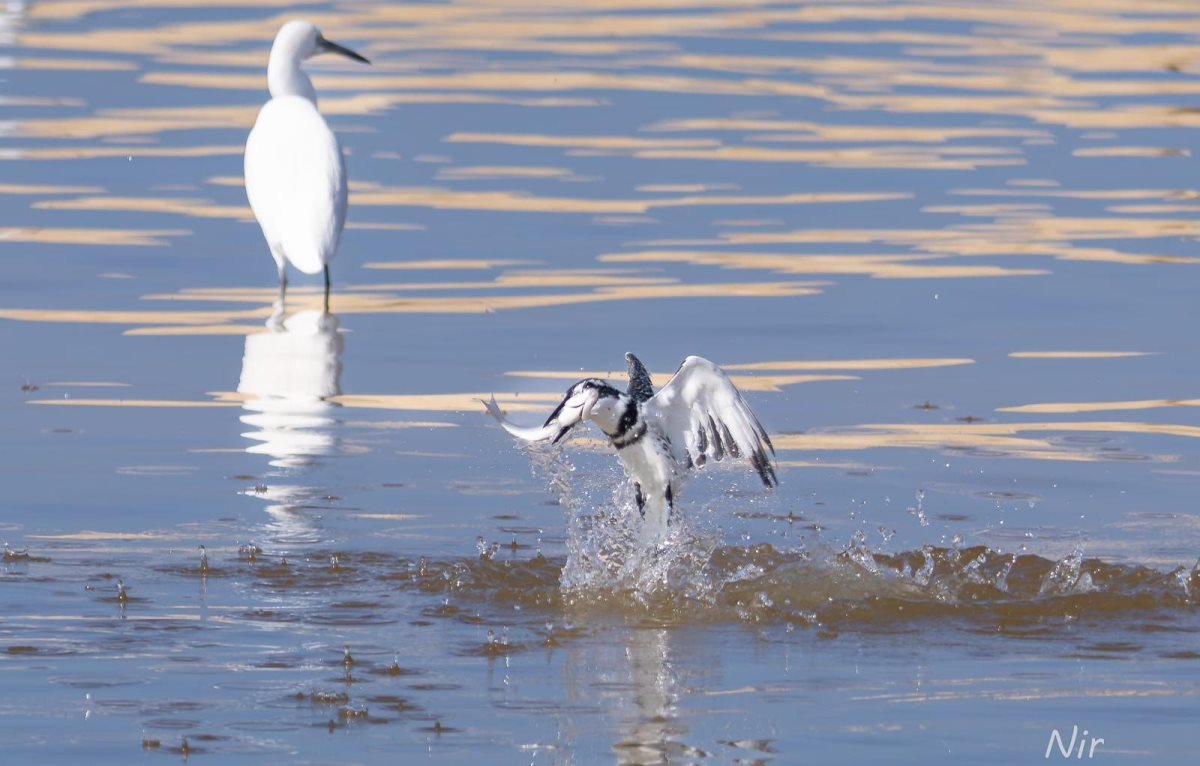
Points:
[(706, 418), (641, 389)]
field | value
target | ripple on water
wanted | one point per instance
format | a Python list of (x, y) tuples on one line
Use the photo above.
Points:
[(96, 682), (265, 727), (171, 724)]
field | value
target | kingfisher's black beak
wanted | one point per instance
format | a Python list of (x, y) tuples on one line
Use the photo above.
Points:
[(565, 430), (332, 47)]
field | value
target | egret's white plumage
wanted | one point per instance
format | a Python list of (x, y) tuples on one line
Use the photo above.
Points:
[(698, 416), (295, 171)]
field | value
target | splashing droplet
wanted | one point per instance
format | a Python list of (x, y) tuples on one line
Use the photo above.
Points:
[(919, 509)]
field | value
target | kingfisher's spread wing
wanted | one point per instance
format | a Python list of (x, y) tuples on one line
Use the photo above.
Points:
[(706, 418), (640, 386)]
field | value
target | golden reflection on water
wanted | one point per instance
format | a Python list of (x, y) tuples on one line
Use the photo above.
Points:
[(1131, 151), (369, 194), (1070, 63), (291, 439), (152, 403), (985, 439), (522, 202), (1015, 232), (64, 10), (744, 382), (96, 237), (1077, 407), (877, 266), (1061, 66), (759, 382), (101, 152), (195, 208), (466, 264), (605, 286), (39, 189), (1077, 354), (849, 364), (510, 81), (799, 131), (482, 172), (72, 64)]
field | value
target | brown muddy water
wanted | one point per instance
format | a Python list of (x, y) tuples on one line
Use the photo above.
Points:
[(948, 251)]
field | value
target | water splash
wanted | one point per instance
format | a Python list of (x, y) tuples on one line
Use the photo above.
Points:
[(1067, 576), (697, 576), (487, 551), (918, 510), (604, 551)]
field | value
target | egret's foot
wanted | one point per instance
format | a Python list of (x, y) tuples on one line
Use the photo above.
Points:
[(275, 322)]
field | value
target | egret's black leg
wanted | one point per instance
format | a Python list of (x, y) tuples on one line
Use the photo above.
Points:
[(275, 321), (641, 499), (326, 288), (670, 504), (282, 283)]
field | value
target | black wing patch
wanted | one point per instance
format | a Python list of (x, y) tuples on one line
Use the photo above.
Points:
[(641, 389), (766, 471)]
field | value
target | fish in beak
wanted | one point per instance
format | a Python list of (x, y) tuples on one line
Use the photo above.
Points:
[(569, 413)]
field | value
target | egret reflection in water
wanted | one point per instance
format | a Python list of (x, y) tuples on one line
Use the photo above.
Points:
[(288, 378)]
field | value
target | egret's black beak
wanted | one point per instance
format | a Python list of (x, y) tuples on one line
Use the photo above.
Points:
[(332, 47)]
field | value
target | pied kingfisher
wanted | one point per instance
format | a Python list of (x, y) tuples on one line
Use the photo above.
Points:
[(699, 415)]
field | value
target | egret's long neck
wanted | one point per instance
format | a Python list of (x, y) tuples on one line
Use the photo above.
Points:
[(284, 77)]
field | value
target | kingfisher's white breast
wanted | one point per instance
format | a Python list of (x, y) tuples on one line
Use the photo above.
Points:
[(649, 461)]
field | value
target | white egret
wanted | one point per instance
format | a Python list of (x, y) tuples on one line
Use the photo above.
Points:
[(295, 172)]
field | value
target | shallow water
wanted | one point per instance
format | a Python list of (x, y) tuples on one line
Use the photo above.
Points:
[(947, 251)]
